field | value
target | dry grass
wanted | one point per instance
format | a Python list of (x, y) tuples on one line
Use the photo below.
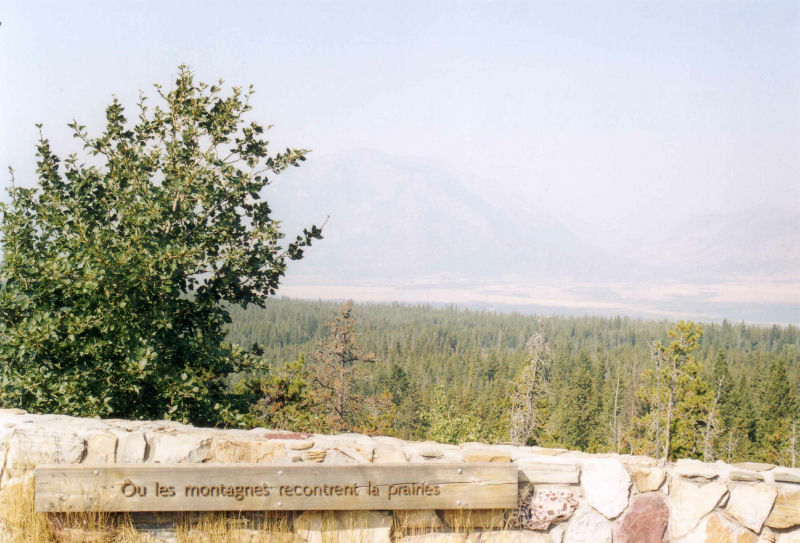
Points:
[(19, 523)]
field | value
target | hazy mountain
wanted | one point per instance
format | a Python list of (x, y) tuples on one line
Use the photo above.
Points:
[(411, 230), (399, 218), (760, 242)]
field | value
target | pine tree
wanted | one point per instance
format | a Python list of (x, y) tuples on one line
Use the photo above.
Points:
[(339, 376), (577, 425), (677, 402), (778, 412)]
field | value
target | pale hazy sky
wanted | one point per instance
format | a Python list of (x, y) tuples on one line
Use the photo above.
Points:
[(597, 111)]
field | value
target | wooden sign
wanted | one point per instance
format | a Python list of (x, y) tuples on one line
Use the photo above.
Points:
[(247, 487)]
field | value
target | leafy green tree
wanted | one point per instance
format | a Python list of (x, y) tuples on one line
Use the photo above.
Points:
[(120, 268), (280, 398), (448, 421)]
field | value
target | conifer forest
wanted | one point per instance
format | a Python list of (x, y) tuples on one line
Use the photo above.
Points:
[(713, 391)]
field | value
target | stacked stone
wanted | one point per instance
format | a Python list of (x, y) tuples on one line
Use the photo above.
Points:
[(565, 496)]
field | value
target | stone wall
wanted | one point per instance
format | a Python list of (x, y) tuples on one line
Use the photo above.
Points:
[(566, 496)]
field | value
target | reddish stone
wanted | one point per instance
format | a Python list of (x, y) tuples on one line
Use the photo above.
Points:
[(645, 521)]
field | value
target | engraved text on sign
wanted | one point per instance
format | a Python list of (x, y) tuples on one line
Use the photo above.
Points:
[(199, 487)]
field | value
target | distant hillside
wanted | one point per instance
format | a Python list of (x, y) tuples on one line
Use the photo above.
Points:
[(399, 218), (403, 229), (762, 241)]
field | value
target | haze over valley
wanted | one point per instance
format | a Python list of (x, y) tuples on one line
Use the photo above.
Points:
[(412, 230)]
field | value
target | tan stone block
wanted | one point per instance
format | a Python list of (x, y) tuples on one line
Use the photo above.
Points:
[(695, 469), (238, 535), (486, 455), (434, 538), (389, 456), (177, 448), (131, 447), (787, 476), (647, 479), (545, 451), (301, 445), (745, 476), (431, 453), (510, 536), (717, 529), (688, 503), (459, 519), (31, 445), (754, 466), (766, 536), (788, 537), (786, 512), (101, 449), (751, 504), (225, 451), (542, 473)]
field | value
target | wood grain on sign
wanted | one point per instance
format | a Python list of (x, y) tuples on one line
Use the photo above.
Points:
[(245, 487)]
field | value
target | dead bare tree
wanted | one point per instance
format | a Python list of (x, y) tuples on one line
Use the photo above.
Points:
[(529, 390), (711, 424), (335, 372), (615, 423), (656, 353)]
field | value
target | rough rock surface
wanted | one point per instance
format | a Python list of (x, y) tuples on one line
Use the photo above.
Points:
[(227, 451), (557, 533), (751, 505), (507, 536), (101, 448), (548, 473), (645, 520), (786, 512), (648, 478), (30, 445), (548, 506), (789, 537), (688, 503), (434, 538), (174, 449), (717, 529), (588, 525), (131, 447), (486, 455), (695, 469), (786, 476), (576, 498), (606, 485), (754, 466)]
